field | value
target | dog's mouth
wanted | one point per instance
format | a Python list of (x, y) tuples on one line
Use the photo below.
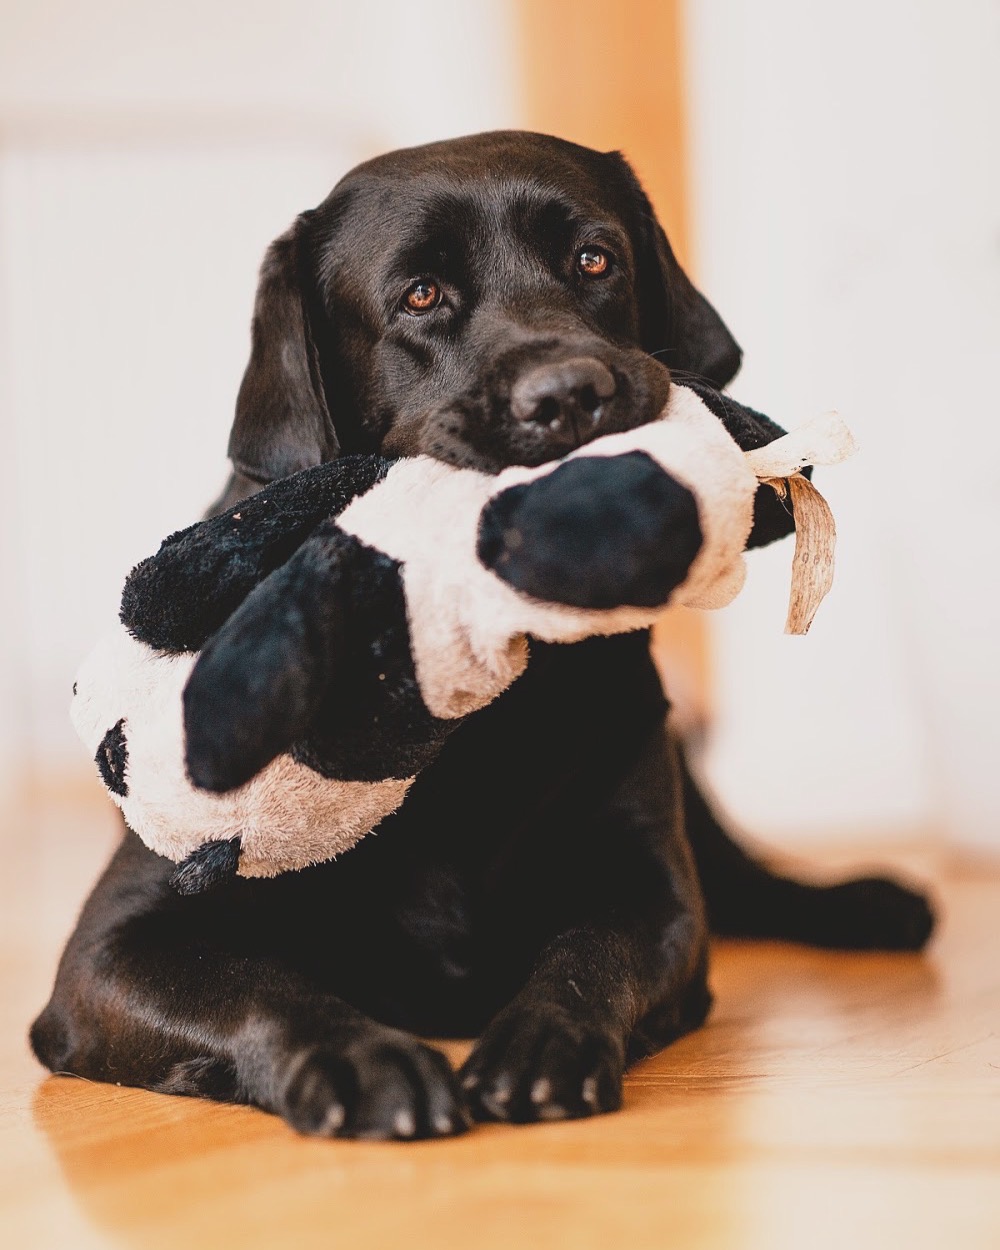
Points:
[(545, 409)]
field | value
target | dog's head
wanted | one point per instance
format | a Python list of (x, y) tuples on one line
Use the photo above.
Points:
[(492, 300)]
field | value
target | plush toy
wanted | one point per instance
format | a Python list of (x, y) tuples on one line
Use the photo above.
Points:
[(283, 671)]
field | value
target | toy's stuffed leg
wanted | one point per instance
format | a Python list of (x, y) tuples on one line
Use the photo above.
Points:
[(746, 898), (148, 995)]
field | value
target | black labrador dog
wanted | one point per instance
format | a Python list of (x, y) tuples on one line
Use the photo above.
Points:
[(550, 883)]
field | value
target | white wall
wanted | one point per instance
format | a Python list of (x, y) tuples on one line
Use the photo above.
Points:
[(148, 154), (848, 213), (382, 73)]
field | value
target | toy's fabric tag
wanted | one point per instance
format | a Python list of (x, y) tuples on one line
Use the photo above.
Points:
[(824, 440), (815, 544)]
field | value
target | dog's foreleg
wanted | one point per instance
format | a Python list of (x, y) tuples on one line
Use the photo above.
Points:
[(153, 991), (624, 981)]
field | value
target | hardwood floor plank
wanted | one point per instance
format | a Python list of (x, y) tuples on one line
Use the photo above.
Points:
[(832, 1101)]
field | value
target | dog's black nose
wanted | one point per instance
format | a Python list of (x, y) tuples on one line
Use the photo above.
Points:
[(564, 396)]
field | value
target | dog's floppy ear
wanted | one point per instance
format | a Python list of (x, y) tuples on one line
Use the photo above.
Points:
[(282, 421), (676, 322)]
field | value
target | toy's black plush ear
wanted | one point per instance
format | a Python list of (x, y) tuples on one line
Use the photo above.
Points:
[(772, 517), (260, 680), (282, 421), (677, 324), (175, 600)]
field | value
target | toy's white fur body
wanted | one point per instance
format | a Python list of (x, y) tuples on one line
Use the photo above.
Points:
[(469, 632), (287, 816)]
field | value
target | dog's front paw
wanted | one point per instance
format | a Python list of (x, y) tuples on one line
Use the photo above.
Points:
[(542, 1064), (383, 1085)]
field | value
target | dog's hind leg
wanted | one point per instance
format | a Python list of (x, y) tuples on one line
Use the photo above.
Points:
[(746, 898)]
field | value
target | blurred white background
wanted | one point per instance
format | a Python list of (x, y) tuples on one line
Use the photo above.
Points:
[(847, 223), (848, 219)]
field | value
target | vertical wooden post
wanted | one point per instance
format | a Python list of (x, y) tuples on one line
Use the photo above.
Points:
[(612, 76)]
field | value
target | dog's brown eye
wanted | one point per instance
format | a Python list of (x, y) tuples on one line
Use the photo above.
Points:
[(422, 297), (594, 262)]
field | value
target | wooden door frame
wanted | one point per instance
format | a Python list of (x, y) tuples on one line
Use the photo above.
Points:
[(612, 76)]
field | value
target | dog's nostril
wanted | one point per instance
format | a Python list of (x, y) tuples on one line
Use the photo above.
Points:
[(588, 398), (548, 412)]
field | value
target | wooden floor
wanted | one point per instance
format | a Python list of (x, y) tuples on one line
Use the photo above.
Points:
[(832, 1101)]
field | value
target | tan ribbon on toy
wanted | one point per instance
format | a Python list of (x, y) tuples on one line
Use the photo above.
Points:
[(824, 440)]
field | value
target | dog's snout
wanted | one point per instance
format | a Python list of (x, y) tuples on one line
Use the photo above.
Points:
[(560, 395)]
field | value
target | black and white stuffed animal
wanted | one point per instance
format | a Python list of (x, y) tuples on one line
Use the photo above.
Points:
[(283, 671)]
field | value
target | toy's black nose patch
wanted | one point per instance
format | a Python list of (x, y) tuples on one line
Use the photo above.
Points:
[(598, 532)]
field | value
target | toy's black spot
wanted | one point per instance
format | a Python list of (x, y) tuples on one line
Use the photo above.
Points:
[(112, 759), (598, 532), (74, 689), (209, 866)]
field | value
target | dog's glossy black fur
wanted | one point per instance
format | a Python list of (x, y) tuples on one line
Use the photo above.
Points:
[(549, 884)]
